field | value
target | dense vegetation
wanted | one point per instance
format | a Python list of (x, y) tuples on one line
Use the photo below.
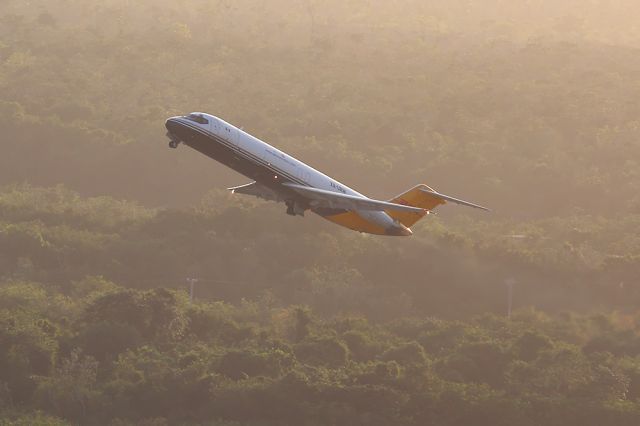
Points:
[(318, 327), (103, 354), (527, 107), (244, 249)]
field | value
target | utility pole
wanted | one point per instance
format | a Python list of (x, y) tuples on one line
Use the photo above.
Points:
[(509, 282), (192, 282)]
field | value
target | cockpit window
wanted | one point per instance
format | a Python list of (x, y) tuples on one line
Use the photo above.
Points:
[(197, 118)]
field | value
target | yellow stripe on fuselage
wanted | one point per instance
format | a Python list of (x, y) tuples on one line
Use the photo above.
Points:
[(354, 221)]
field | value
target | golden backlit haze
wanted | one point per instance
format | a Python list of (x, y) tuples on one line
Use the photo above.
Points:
[(528, 107)]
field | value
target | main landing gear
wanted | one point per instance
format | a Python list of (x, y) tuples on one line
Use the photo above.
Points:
[(294, 208)]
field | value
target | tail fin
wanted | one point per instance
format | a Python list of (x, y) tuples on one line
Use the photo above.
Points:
[(416, 197), (426, 198)]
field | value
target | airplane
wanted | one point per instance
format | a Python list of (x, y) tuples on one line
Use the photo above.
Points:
[(277, 176)]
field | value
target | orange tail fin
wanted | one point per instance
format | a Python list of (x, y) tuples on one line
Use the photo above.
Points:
[(414, 197)]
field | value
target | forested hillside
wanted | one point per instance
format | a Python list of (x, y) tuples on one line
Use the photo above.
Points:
[(534, 117), (101, 354), (294, 323), (246, 249), (528, 107)]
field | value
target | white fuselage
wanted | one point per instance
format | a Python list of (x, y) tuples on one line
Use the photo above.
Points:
[(282, 165)]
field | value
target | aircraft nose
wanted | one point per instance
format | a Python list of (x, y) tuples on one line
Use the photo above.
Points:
[(171, 124)]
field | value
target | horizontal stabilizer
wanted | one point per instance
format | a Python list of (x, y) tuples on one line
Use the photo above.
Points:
[(424, 197), (452, 199)]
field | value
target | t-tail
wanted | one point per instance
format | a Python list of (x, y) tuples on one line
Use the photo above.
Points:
[(426, 198)]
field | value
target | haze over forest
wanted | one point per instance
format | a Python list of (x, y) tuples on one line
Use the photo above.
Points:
[(528, 107)]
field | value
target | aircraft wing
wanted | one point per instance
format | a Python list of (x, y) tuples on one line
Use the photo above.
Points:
[(323, 198), (257, 190)]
